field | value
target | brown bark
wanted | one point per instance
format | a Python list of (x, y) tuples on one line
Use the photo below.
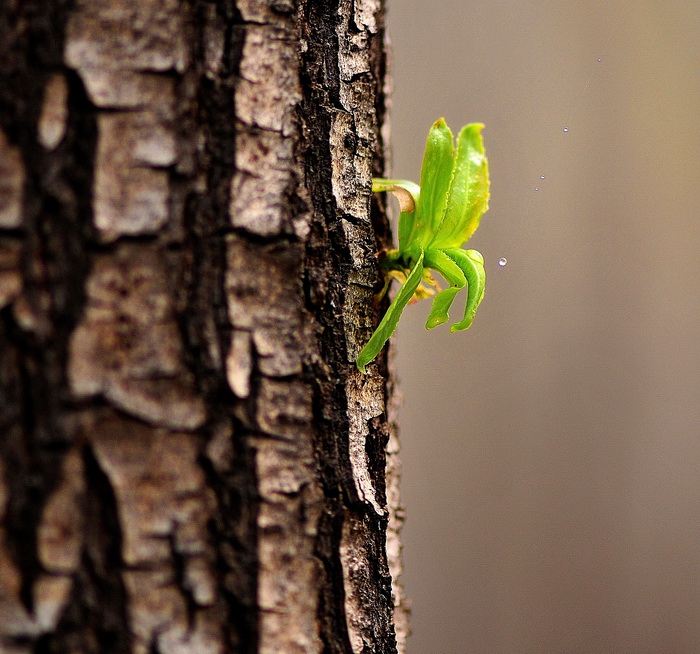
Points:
[(189, 461)]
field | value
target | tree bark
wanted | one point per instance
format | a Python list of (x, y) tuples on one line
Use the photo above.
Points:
[(189, 460)]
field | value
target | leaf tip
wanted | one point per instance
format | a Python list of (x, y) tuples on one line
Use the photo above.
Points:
[(435, 322), (461, 326), (361, 365)]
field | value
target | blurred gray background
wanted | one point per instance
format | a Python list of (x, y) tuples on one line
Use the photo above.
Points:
[(552, 452)]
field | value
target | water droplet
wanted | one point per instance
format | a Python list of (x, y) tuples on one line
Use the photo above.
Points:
[(502, 262), (566, 129), (541, 176), (600, 58)]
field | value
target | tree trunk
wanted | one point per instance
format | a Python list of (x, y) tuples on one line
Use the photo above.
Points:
[(189, 461)]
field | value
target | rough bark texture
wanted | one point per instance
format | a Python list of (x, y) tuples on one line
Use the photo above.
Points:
[(189, 461)]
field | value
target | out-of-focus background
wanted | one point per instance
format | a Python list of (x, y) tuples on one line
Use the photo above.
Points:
[(552, 452)]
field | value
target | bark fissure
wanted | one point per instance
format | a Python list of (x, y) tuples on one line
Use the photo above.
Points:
[(53, 221), (327, 252), (227, 461), (94, 620)]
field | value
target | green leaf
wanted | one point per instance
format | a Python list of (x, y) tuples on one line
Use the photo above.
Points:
[(435, 176), (387, 326), (441, 306), (438, 260), (408, 194), (469, 191), (472, 265)]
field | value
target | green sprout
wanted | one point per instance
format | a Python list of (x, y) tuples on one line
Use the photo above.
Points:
[(436, 219)]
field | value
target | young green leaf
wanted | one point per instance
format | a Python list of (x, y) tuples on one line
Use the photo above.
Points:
[(472, 265), (468, 197), (408, 194), (388, 324), (438, 260), (435, 177)]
